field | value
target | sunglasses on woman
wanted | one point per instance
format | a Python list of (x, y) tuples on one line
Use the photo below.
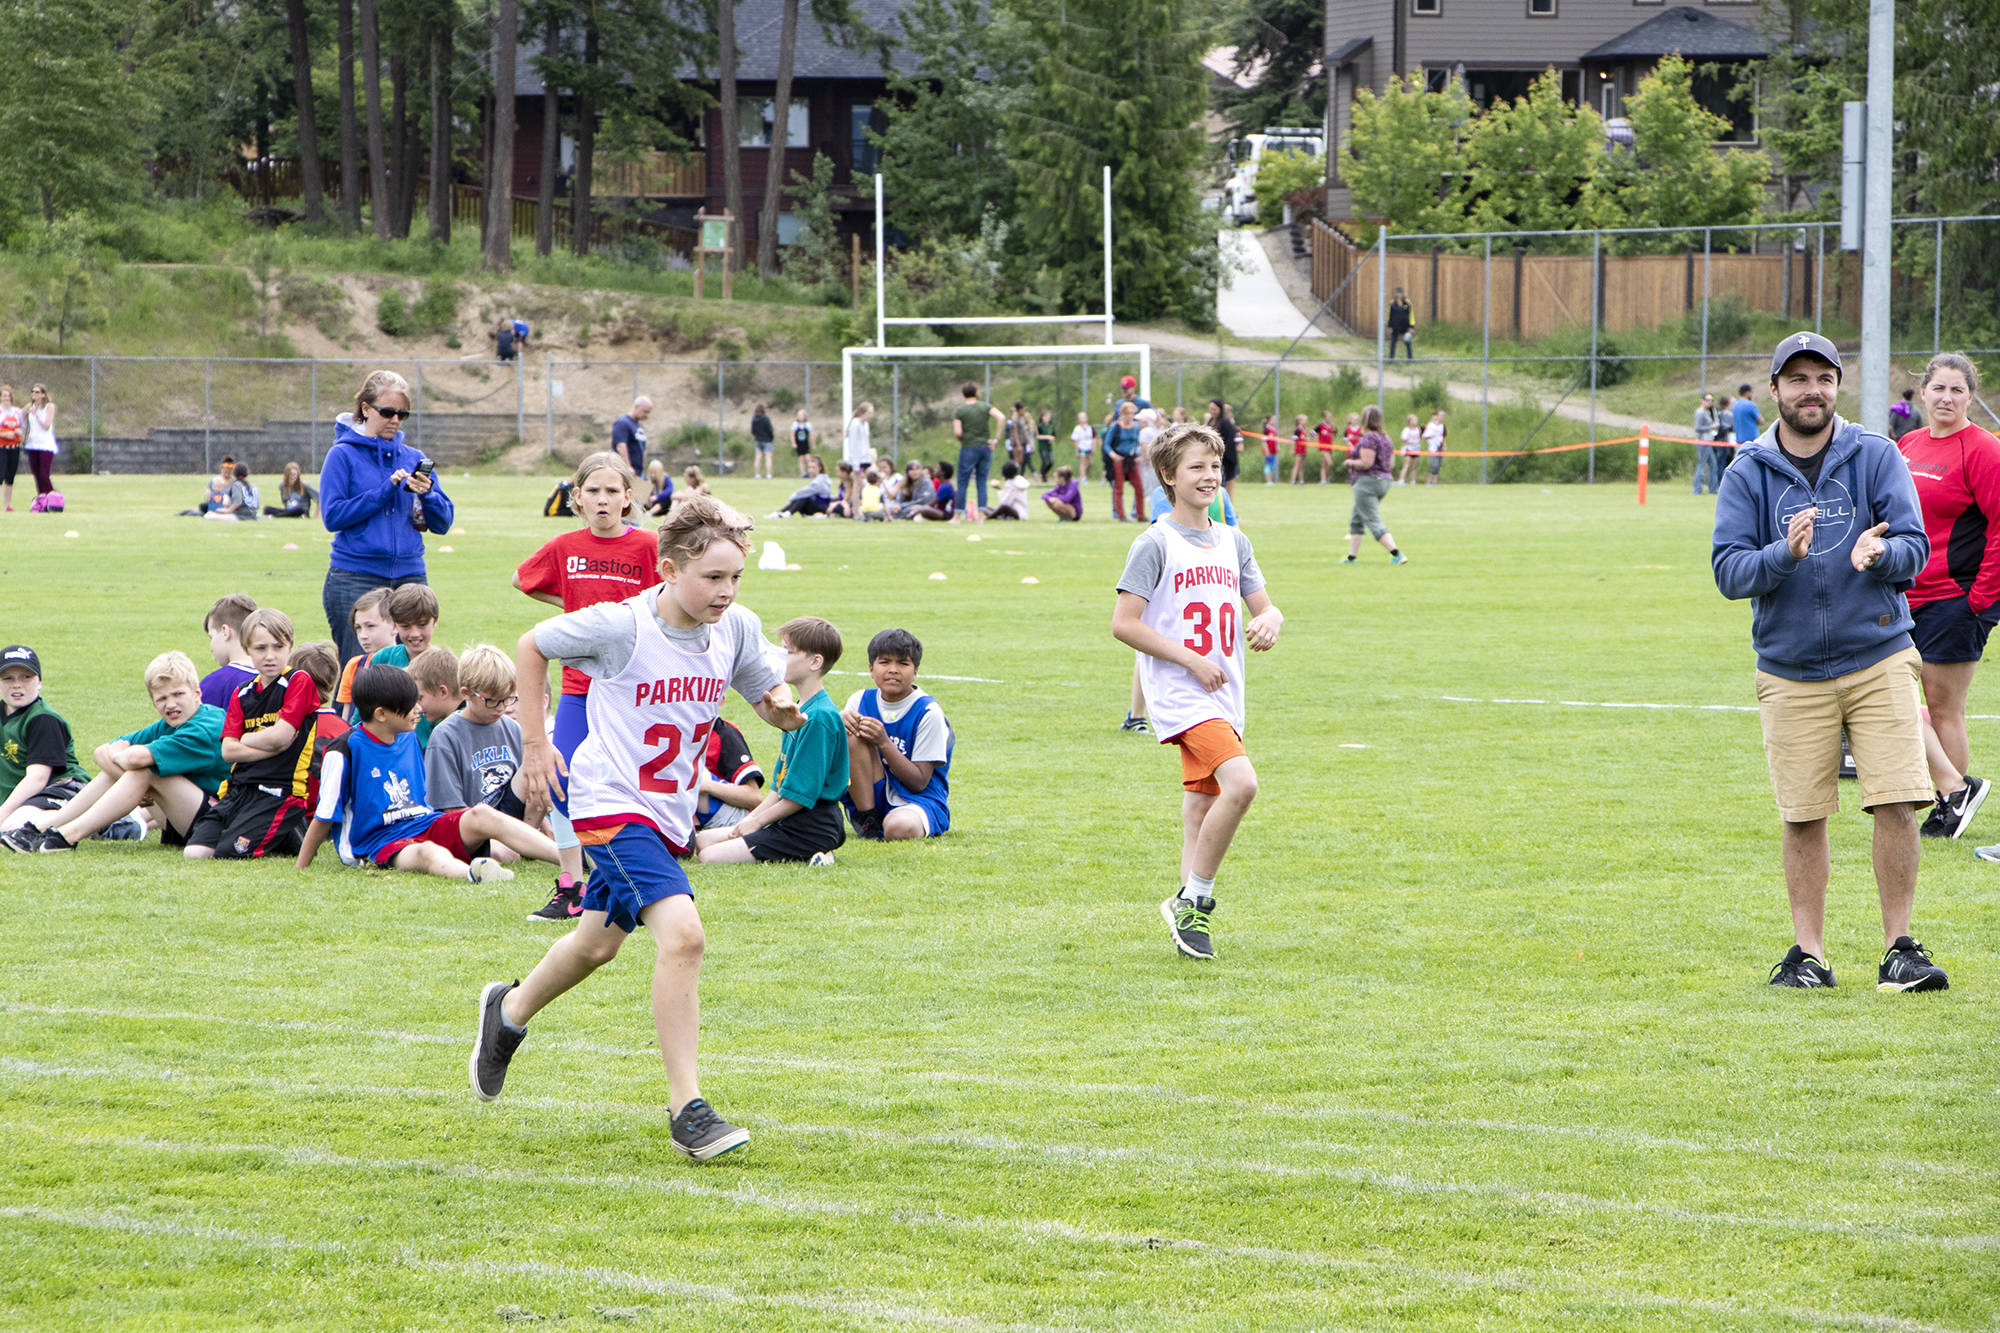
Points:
[(393, 413)]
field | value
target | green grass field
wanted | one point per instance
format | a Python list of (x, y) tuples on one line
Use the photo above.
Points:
[(1487, 1043)]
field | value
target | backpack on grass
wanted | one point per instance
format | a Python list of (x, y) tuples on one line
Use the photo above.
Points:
[(558, 504), (51, 503)]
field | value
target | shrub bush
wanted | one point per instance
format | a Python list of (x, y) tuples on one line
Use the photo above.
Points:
[(436, 309), (1429, 396), (392, 313)]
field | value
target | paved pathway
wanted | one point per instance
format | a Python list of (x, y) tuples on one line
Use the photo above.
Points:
[(1252, 303)]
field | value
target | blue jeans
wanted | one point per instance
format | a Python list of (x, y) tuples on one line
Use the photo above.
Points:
[(1711, 460), (343, 589), (974, 461)]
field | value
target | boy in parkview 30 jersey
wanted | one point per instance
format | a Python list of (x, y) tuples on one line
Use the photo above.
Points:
[(267, 736), (606, 560), (659, 664), (1178, 606)]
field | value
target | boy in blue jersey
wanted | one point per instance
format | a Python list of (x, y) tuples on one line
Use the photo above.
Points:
[(898, 747), (372, 790)]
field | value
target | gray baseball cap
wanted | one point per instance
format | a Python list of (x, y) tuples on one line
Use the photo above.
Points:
[(1804, 344)]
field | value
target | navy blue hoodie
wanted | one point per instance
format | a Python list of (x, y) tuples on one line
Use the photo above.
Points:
[(369, 515), (1820, 617)]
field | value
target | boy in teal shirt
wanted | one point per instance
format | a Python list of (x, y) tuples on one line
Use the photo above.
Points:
[(175, 763), (800, 818)]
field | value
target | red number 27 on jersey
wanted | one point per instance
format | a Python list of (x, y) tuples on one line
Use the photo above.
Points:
[(653, 773)]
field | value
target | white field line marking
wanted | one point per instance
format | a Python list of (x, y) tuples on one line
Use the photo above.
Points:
[(880, 1073), (1035, 1229), (591, 1275), (1073, 1154), (1582, 703), (932, 675)]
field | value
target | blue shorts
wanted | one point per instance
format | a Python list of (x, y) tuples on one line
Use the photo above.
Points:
[(630, 873), (1947, 632), (936, 813), (572, 725)]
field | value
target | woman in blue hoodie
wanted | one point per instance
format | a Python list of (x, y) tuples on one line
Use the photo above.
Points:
[(376, 502)]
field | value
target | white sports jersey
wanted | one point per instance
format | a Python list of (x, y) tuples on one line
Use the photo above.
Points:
[(1196, 604), (649, 725)]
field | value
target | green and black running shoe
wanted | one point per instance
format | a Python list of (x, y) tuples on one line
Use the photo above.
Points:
[(1800, 969), (1907, 966), (1187, 920)]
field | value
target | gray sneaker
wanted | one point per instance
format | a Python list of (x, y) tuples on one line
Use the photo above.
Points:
[(1188, 921), (701, 1134), (129, 829), (496, 1043)]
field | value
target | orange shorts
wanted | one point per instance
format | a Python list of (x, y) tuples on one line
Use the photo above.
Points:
[(1205, 747)]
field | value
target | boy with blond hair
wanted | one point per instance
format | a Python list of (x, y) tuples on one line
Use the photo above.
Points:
[(175, 764), (435, 670), (1178, 607), (224, 626), (267, 736), (800, 817)]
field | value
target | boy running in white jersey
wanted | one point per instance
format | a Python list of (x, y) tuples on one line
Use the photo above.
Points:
[(1177, 605), (659, 664)]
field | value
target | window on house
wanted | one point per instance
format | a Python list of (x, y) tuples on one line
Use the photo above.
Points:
[(754, 123), (1718, 93), (1541, 9), (1426, 7), (1572, 86), (1437, 79), (862, 117)]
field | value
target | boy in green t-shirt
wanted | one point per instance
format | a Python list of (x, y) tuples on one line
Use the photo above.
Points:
[(175, 764), (38, 769), (800, 818), (413, 610)]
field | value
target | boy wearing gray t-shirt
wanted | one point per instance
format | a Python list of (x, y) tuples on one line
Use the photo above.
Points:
[(474, 756)]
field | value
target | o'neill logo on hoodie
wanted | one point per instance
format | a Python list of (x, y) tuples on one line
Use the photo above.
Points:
[(1833, 529)]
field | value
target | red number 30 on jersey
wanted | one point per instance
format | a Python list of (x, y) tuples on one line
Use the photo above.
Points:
[(1200, 639)]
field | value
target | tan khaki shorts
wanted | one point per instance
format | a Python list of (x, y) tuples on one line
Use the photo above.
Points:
[(1879, 707)]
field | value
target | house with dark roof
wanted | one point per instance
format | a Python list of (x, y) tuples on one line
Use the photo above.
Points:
[(1496, 48), (835, 86)]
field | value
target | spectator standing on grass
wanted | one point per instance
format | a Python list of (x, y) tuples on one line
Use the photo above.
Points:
[(1434, 442), (1220, 420), (1045, 441), (41, 446), (1903, 416), (13, 434), (1705, 451), (1725, 428), (1121, 462), (628, 434), (1955, 601), (1818, 524), (1371, 471), (802, 439), (371, 493), (857, 450), (1746, 423), (1399, 326), (975, 425), (1085, 439), (762, 434)]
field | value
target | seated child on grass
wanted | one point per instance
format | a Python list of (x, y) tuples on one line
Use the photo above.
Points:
[(385, 819), (435, 670), (38, 768), (321, 663), (413, 610), (174, 764), (224, 626), (373, 631), (731, 782), (1013, 501), (800, 817), (1065, 498), (267, 736), (898, 746)]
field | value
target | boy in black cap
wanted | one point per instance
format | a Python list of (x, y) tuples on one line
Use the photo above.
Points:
[(1818, 524), (38, 768)]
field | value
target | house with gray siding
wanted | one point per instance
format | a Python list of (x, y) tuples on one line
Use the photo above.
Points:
[(1496, 48)]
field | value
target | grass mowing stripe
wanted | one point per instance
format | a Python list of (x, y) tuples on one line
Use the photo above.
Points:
[(725, 1060), (1401, 1183), (594, 1275), (1031, 1229)]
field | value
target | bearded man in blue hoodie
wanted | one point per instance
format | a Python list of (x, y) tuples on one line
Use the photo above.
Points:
[(1822, 531), (378, 499)]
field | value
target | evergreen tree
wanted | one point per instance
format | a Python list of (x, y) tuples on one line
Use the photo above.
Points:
[(70, 110), (1281, 42), (1117, 82)]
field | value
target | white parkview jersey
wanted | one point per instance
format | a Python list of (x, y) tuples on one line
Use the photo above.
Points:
[(649, 725), (1197, 604)]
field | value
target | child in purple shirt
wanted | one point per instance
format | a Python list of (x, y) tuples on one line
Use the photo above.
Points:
[(1066, 499)]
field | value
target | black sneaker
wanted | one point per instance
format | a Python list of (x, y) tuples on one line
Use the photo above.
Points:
[(565, 904), (496, 1042), (1799, 968), (54, 841), (26, 838), (1959, 808), (1137, 724), (1907, 966), (867, 823), (701, 1134), (1937, 824), (1187, 920)]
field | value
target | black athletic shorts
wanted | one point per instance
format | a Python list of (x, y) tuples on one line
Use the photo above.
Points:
[(251, 821), (1946, 630), (797, 837), (1229, 466), (54, 796)]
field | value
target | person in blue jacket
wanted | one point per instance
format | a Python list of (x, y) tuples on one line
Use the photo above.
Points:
[(377, 501), (1817, 523)]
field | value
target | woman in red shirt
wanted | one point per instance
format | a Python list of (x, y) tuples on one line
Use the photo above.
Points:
[(1955, 600)]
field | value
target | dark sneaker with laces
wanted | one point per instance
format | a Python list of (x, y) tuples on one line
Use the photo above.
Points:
[(1800, 969), (26, 838), (1937, 824), (867, 823), (1907, 966), (1955, 811), (701, 1134), (565, 904), (496, 1042), (54, 841), (1187, 921), (1136, 724)]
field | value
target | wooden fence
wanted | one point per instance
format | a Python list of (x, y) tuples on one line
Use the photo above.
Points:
[(1533, 296), (657, 176)]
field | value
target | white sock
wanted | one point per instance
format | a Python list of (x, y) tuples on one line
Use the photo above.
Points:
[(1197, 887)]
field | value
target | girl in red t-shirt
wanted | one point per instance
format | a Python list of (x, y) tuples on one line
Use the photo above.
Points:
[(1301, 433), (607, 560)]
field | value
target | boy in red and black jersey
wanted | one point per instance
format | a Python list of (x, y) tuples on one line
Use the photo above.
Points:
[(267, 737)]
